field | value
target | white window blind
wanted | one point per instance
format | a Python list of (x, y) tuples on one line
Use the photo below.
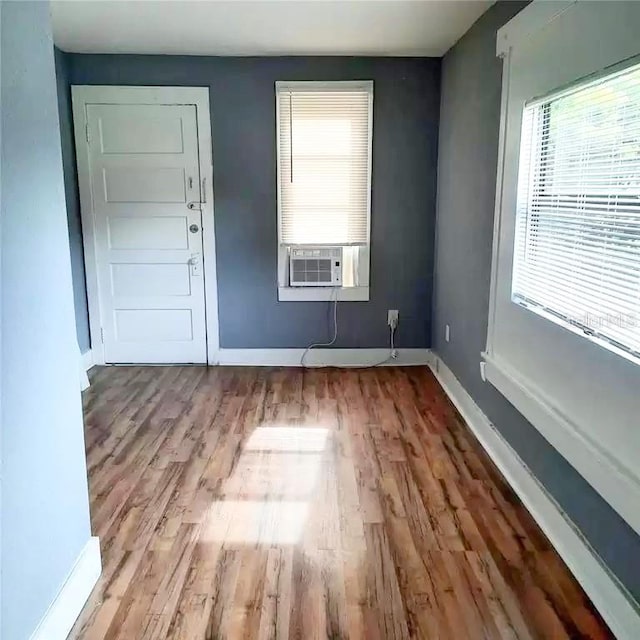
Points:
[(324, 153), (577, 242)]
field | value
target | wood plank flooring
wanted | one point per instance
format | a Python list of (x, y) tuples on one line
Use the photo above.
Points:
[(324, 503)]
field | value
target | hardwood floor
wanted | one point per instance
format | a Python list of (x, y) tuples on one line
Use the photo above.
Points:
[(326, 503)]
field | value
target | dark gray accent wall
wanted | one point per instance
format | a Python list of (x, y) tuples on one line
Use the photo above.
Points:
[(45, 500), (73, 202), (468, 152), (406, 109)]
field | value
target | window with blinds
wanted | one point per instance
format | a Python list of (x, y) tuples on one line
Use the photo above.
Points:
[(577, 242), (324, 162)]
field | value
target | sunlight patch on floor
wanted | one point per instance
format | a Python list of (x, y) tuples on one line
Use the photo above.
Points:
[(250, 522), (285, 476), (267, 497), (298, 439)]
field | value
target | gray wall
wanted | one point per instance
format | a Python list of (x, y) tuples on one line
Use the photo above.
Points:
[(406, 107), (45, 510), (468, 151), (73, 201)]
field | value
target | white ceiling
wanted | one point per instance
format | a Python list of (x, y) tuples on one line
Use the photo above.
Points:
[(263, 27)]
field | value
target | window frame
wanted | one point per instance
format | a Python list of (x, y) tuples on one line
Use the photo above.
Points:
[(556, 317), (580, 397), (359, 291)]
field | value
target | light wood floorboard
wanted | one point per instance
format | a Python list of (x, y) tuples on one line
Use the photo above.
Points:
[(276, 503)]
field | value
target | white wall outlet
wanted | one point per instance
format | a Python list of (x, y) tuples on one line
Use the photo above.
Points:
[(447, 332), (392, 318)]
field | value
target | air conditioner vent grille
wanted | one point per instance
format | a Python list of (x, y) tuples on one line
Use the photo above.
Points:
[(315, 266)]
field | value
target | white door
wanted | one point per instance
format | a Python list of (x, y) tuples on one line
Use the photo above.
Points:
[(145, 186)]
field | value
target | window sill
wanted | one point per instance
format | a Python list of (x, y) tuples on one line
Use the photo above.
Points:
[(578, 331), (319, 294), (618, 484)]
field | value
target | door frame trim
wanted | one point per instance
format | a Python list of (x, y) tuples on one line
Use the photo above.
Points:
[(83, 95)]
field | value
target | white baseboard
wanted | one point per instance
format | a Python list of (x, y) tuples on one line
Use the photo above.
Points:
[(609, 596), (87, 360), (67, 605), (322, 357)]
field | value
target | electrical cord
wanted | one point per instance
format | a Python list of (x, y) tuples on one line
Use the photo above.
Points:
[(392, 350), (334, 298)]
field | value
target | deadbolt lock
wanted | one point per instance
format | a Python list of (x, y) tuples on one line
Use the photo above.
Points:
[(194, 228)]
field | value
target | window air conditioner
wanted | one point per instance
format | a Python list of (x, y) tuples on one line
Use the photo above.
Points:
[(315, 266)]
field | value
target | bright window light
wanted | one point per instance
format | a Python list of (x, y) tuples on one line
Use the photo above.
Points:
[(324, 162), (577, 242)]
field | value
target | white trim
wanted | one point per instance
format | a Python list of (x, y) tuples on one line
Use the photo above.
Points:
[(67, 605), (497, 215), (532, 18), (197, 96), (87, 359), (322, 357), (608, 595), (86, 363), (307, 294), (618, 485), (521, 26), (319, 85)]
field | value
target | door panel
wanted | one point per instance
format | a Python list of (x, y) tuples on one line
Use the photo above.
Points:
[(126, 132), (144, 280), (143, 184), (144, 170), (147, 232), (151, 325)]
